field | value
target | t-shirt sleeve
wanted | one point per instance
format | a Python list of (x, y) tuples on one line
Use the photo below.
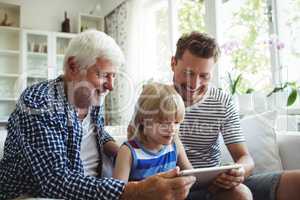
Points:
[(231, 128)]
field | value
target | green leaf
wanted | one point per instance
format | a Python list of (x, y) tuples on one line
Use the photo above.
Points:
[(278, 89), (249, 90), (235, 84), (292, 97)]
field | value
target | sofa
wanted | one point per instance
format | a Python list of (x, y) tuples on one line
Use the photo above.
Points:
[(271, 150)]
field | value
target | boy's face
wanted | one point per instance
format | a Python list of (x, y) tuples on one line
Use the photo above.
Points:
[(191, 76), (161, 132)]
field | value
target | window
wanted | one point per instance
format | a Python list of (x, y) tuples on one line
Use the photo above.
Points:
[(191, 15), (258, 39), (289, 43), (157, 35), (156, 48), (245, 44)]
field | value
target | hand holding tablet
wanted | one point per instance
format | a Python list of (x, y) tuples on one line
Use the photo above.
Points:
[(206, 175)]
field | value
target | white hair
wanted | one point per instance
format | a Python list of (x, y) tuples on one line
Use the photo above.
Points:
[(89, 45)]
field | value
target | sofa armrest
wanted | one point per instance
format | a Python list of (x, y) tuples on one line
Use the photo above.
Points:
[(289, 144)]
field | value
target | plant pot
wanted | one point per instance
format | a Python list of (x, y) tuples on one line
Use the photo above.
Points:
[(260, 102), (235, 101), (246, 105), (278, 101)]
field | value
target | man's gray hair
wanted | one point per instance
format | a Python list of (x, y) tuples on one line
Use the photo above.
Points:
[(87, 46)]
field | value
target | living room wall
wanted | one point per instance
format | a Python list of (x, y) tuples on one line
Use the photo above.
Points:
[(48, 15)]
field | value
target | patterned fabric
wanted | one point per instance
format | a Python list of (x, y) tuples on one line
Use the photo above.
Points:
[(202, 125), (146, 163), (42, 150), (117, 108)]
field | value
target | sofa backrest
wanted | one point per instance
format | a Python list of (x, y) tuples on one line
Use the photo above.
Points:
[(261, 141)]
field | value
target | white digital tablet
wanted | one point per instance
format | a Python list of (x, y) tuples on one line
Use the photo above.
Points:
[(205, 176)]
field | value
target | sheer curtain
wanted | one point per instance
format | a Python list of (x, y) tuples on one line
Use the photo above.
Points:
[(140, 27), (116, 101)]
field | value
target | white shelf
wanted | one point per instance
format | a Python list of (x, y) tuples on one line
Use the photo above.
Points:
[(8, 75), (8, 99), (90, 17), (4, 119), (9, 52), (10, 60), (13, 12), (61, 56), (87, 21), (37, 77), (24, 61), (37, 55), (64, 35), (9, 29)]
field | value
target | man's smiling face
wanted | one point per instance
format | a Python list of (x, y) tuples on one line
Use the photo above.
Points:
[(191, 76)]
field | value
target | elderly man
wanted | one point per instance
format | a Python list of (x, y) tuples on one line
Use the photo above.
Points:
[(210, 112), (56, 136)]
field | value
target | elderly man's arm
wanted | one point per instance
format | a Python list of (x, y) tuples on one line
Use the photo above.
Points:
[(45, 151), (110, 147), (163, 186)]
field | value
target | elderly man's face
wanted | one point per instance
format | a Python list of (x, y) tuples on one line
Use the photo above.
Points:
[(94, 83)]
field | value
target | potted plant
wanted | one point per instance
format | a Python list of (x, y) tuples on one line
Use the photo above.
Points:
[(289, 90), (233, 83), (242, 99)]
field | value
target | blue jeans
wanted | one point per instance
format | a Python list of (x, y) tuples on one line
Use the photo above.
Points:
[(264, 186)]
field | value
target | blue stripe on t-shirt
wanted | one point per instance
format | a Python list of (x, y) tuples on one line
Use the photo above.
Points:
[(141, 174), (161, 160)]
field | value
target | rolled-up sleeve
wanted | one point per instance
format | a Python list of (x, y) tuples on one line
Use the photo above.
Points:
[(106, 137)]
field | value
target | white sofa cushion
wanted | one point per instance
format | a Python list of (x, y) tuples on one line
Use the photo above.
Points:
[(261, 141), (289, 144)]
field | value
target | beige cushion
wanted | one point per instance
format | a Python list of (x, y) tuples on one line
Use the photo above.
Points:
[(261, 141)]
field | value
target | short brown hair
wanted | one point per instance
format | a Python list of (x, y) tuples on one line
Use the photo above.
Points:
[(199, 44)]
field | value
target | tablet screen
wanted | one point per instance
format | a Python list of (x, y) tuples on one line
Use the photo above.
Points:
[(205, 176)]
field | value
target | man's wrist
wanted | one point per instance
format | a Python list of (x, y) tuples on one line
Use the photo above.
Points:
[(131, 191)]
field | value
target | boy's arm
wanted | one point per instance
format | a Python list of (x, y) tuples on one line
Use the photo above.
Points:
[(123, 164), (183, 161)]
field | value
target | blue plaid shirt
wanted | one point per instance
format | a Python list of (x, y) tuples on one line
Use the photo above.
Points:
[(42, 149)]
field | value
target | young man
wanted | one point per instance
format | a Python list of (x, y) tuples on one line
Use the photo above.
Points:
[(56, 136), (209, 112)]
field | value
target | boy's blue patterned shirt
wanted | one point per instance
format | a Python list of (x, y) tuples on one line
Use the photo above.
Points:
[(42, 149)]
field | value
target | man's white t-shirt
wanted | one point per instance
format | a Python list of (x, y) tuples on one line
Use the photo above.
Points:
[(89, 152)]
